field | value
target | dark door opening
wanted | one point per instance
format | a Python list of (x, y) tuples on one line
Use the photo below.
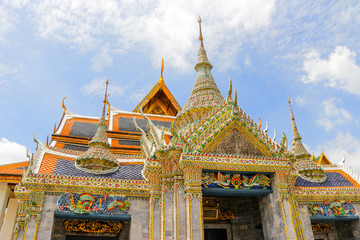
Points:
[(77, 237), (215, 234)]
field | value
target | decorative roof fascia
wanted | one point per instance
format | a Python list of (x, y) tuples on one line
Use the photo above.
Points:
[(42, 149), (159, 86), (59, 183), (327, 194), (231, 163)]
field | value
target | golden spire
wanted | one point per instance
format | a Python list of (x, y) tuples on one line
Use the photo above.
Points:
[(103, 111), (161, 80), (200, 36), (298, 147)]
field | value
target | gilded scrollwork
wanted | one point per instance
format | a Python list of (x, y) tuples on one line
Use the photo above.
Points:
[(92, 226)]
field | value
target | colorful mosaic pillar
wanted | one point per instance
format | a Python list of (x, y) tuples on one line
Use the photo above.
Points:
[(193, 204), (166, 230), (154, 204), (29, 214), (178, 208)]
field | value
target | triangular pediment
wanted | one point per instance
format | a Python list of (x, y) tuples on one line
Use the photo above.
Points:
[(234, 142), (323, 160), (159, 101)]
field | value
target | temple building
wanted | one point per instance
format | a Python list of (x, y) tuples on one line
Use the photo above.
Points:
[(202, 171)]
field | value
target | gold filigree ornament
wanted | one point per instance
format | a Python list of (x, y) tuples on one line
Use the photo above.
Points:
[(320, 227), (92, 226)]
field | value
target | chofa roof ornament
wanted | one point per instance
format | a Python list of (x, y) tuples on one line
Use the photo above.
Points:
[(98, 159)]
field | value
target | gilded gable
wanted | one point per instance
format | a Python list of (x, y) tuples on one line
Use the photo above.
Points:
[(235, 143)]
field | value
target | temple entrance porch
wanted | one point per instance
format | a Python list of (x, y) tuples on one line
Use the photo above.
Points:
[(232, 218)]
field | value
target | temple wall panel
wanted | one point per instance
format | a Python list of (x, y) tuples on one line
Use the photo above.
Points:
[(139, 210)]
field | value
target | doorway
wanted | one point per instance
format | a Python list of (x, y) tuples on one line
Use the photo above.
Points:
[(215, 234), (77, 237)]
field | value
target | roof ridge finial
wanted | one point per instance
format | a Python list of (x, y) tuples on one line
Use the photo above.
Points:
[(200, 36), (161, 80), (106, 88)]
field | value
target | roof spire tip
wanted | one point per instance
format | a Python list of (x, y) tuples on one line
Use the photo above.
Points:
[(162, 70), (106, 88), (200, 36)]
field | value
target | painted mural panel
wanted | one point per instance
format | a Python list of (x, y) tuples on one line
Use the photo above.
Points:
[(237, 181)]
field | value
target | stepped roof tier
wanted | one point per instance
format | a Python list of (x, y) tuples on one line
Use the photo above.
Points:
[(98, 159), (307, 168), (205, 96)]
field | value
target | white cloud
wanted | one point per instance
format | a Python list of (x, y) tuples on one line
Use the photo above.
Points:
[(300, 101), (343, 144), (97, 88), (338, 71), (168, 28), (102, 59), (11, 152), (7, 20), (333, 115), (139, 94)]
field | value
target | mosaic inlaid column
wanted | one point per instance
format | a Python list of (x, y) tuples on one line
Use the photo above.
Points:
[(193, 203), (166, 230), (154, 204), (179, 208)]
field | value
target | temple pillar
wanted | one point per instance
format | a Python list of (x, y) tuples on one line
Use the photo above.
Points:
[(47, 216), (273, 221), (7, 230), (154, 210), (306, 222), (4, 197), (31, 229), (194, 222), (179, 208), (280, 212), (166, 212)]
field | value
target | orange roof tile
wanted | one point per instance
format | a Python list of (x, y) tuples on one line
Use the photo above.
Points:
[(13, 168)]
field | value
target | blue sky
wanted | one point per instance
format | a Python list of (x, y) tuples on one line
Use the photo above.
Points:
[(272, 50)]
